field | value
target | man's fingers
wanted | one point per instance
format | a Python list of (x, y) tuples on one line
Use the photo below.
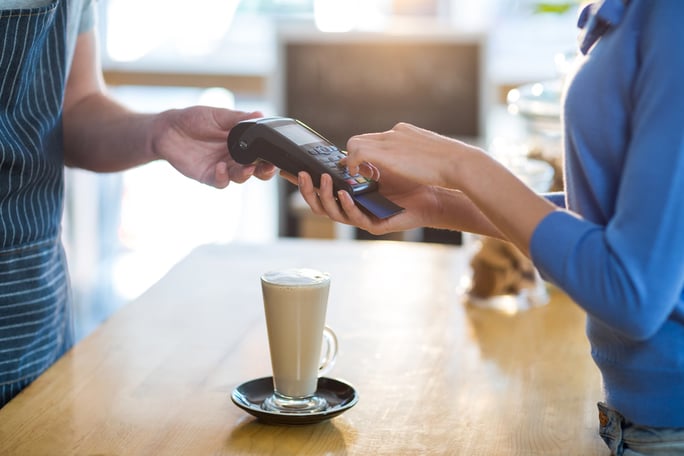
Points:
[(289, 177)]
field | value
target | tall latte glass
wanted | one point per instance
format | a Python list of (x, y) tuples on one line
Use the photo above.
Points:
[(295, 304)]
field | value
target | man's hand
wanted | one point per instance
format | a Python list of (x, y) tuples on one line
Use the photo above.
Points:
[(193, 140)]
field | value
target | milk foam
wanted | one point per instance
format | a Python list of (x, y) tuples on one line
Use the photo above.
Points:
[(296, 277)]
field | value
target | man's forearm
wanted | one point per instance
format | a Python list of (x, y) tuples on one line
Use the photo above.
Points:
[(102, 135)]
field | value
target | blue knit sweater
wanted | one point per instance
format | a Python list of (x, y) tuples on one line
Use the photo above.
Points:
[(618, 249)]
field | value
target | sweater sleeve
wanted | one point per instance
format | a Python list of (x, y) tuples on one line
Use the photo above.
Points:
[(629, 272), (557, 198)]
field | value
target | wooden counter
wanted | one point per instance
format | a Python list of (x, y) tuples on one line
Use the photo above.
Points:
[(434, 376)]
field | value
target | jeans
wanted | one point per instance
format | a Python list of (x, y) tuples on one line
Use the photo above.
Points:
[(625, 438)]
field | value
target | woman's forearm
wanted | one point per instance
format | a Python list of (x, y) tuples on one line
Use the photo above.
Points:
[(512, 207), (457, 212)]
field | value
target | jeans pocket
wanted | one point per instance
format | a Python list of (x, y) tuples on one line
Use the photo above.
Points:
[(610, 428)]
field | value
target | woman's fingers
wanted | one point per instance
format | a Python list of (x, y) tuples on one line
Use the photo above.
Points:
[(309, 193), (323, 201), (328, 200), (353, 214)]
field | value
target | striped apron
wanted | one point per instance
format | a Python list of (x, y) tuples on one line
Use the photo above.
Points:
[(35, 320)]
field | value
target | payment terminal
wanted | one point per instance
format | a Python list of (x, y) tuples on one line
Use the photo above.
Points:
[(293, 147)]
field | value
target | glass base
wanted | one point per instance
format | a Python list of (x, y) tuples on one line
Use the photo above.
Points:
[(283, 404)]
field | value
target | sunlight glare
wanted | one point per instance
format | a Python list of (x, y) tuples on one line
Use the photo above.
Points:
[(196, 30), (202, 26), (335, 16), (130, 33)]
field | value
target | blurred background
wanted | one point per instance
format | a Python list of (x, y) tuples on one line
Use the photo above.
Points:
[(487, 71)]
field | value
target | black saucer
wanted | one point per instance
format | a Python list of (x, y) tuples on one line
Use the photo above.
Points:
[(250, 395)]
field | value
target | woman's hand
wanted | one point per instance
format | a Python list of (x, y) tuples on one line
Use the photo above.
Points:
[(417, 200), (406, 161), (410, 152)]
